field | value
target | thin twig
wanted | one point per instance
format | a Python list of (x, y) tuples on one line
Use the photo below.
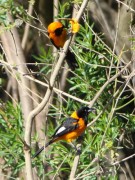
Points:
[(107, 82), (85, 170), (130, 172), (27, 27), (60, 166), (121, 90), (105, 107), (115, 40), (125, 159), (55, 14), (77, 157), (58, 91), (128, 7)]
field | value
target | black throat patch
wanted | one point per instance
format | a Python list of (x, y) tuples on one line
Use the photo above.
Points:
[(58, 31)]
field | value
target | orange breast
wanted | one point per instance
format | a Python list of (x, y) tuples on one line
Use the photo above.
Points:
[(58, 41)]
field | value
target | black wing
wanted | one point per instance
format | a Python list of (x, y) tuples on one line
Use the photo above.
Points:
[(67, 126), (71, 60)]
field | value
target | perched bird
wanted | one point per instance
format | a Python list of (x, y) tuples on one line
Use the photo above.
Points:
[(58, 36), (71, 128)]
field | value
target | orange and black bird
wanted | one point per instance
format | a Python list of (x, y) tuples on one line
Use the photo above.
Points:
[(71, 128), (58, 36)]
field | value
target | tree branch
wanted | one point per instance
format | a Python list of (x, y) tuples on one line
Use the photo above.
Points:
[(14, 55), (27, 27), (59, 91), (40, 107), (77, 157)]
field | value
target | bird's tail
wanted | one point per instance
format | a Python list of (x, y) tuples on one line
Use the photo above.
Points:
[(71, 60), (41, 149)]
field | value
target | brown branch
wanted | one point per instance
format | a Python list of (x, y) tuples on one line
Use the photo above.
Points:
[(125, 159), (14, 55), (55, 14), (127, 6), (59, 91), (17, 58), (27, 26), (77, 157), (40, 107), (129, 170), (75, 163)]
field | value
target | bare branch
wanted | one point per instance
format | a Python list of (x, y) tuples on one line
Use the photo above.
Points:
[(125, 159), (59, 91), (44, 102), (77, 157), (16, 56), (27, 26), (75, 163)]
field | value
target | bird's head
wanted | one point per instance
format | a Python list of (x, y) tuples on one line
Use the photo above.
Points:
[(55, 27), (84, 111)]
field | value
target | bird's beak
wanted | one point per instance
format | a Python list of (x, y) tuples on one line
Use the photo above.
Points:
[(92, 110)]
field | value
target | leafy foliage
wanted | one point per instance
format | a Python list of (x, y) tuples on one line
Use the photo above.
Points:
[(101, 140), (11, 147)]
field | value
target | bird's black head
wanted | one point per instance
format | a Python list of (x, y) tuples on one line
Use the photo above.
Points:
[(84, 111)]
